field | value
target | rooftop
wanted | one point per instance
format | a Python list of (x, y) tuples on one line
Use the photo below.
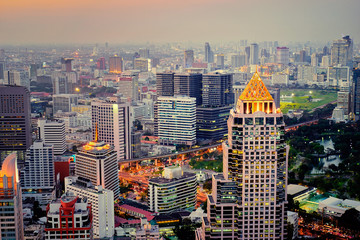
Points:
[(293, 189)]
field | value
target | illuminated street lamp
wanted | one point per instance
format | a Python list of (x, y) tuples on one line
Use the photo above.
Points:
[(77, 89)]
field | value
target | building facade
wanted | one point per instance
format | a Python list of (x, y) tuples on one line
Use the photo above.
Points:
[(249, 200), (165, 84), (175, 191), (188, 84), (116, 65), (53, 132), (69, 217), (101, 200), (97, 162), (188, 58), (64, 102), (217, 89), (176, 120)]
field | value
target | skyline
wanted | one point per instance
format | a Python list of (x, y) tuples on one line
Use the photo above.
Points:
[(119, 21)]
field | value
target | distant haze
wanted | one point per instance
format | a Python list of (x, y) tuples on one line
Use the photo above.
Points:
[(122, 21)]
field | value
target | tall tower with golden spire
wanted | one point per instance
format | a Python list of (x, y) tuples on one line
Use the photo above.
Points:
[(249, 200)]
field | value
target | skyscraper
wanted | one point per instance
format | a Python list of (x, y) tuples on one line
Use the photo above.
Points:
[(188, 58), (144, 53), (2, 70), (249, 200), (53, 132), (66, 64), (176, 120), (302, 57), (165, 84), (209, 55), (220, 61), (38, 176), (355, 99), (15, 128), (282, 55), (217, 89), (188, 84), (342, 52), (254, 53), (97, 162), (101, 64), (116, 65), (11, 214), (112, 118)]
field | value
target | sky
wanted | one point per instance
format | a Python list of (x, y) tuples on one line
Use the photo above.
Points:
[(159, 21)]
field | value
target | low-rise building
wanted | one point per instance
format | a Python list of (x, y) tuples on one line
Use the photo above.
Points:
[(336, 207)]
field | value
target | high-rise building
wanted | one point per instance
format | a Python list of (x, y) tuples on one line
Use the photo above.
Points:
[(101, 200), (209, 55), (38, 176), (165, 84), (302, 56), (217, 89), (101, 64), (188, 58), (11, 215), (339, 77), (247, 55), (60, 84), (15, 129), (19, 78), (343, 101), (220, 61), (211, 122), (97, 162), (314, 60), (142, 64), (2, 71), (282, 55), (188, 84), (69, 217), (237, 60), (112, 119), (53, 132), (116, 65), (176, 120), (66, 64), (355, 98), (174, 191), (134, 88), (249, 200), (254, 53), (64, 102), (144, 53), (128, 88), (342, 52)]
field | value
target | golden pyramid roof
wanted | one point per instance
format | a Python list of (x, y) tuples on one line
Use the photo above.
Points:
[(256, 90)]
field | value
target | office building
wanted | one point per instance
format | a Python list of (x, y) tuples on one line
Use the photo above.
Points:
[(116, 65), (188, 84), (325, 61), (15, 125), (220, 61), (314, 60), (60, 84), (11, 215), (133, 87), (249, 200), (144, 53), (142, 64), (69, 217), (2, 71), (101, 64), (53, 132), (18, 78), (165, 84), (176, 120), (237, 60), (282, 55), (174, 191), (112, 119), (209, 55), (128, 88), (97, 162), (217, 89), (64, 102), (339, 78), (254, 53), (66, 64), (302, 56), (342, 52), (211, 122), (355, 98), (102, 203), (343, 101), (37, 177), (188, 58)]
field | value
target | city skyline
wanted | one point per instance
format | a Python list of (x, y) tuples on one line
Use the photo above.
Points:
[(123, 21)]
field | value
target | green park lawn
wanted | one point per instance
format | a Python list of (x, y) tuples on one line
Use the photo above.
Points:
[(299, 98)]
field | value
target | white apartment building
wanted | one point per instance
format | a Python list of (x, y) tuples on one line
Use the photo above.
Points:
[(177, 120), (102, 201), (53, 132), (176, 190), (37, 177), (112, 119), (97, 162)]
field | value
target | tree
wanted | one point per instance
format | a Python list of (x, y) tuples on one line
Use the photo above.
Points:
[(350, 219)]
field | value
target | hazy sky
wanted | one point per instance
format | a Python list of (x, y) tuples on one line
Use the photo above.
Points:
[(119, 21)]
